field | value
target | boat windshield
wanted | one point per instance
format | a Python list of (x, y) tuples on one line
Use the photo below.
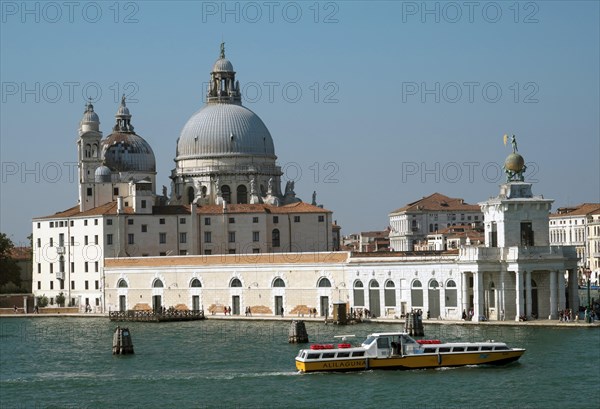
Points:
[(369, 340)]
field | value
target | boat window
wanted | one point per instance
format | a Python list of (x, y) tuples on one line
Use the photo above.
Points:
[(358, 353), (343, 354), (486, 348), (369, 340), (408, 340), (444, 349), (429, 350), (458, 349), (328, 354), (501, 348), (383, 342), (472, 348), (313, 356)]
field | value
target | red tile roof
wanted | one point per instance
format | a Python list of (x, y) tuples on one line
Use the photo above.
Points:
[(582, 209), (438, 202), (111, 209)]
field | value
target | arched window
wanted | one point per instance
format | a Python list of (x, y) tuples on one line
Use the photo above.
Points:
[(492, 295), (195, 283), (236, 283), (450, 293), (275, 238), (390, 294), (122, 283), (242, 194), (434, 285), (324, 282), (226, 193), (359, 294), (190, 194), (95, 150), (278, 282), (416, 294), (373, 284), (88, 150), (158, 283)]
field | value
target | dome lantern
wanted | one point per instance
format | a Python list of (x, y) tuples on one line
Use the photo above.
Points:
[(90, 120)]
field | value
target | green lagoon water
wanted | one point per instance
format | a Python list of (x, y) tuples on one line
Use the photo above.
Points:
[(67, 362)]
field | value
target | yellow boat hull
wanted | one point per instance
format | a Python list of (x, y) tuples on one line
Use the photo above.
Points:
[(417, 361)]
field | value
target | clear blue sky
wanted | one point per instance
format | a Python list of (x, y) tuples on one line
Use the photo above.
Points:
[(390, 101)]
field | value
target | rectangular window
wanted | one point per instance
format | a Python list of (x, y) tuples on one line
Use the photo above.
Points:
[(162, 253), (52, 285), (207, 237), (85, 222), (39, 242), (207, 252), (183, 252), (39, 225), (109, 222), (232, 220), (161, 221), (72, 240), (143, 204), (61, 240), (86, 267), (72, 223), (39, 268), (144, 228), (296, 219), (96, 266), (115, 191), (207, 221), (183, 238), (182, 220), (321, 218), (51, 224), (72, 266), (61, 283), (85, 240), (95, 222), (130, 221), (109, 239), (130, 238), (255, 236), (162, 238), (87, 285), (39, 285), (89, 191), (231, 237), (231, 251), (72, 285), (51, 268), (255, 220), (256, 250), (275, 219), (526, 234), (51, 242), (96, 239), (97, 285)]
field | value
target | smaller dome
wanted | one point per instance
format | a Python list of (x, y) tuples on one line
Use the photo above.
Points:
[(128, 152), (514, 162), (102, 174), (89, 115), (223, 65)]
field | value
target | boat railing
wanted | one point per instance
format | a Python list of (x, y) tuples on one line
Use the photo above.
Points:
[(152, 316)]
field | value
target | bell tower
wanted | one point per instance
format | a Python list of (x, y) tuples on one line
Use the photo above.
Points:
[(89, 155)]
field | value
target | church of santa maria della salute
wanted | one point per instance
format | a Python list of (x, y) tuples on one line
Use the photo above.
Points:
[(227, 234)]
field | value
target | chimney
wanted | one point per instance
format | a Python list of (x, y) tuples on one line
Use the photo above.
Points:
[(120, 207)]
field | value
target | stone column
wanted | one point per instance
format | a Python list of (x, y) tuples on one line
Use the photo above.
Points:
[(561, 290), (477, 295), (528, 294), (465, 292), (519, 294), (500, 301), (553, 293), (573, 291)]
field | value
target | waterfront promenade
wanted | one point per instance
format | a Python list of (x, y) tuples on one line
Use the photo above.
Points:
[(258, 317)]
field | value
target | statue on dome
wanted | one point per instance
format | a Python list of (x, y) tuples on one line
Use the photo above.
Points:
[(314, 198), (514, 144), (222, 50)]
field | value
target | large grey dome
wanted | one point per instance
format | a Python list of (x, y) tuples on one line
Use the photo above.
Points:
[(128, 152), (219, 130)]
